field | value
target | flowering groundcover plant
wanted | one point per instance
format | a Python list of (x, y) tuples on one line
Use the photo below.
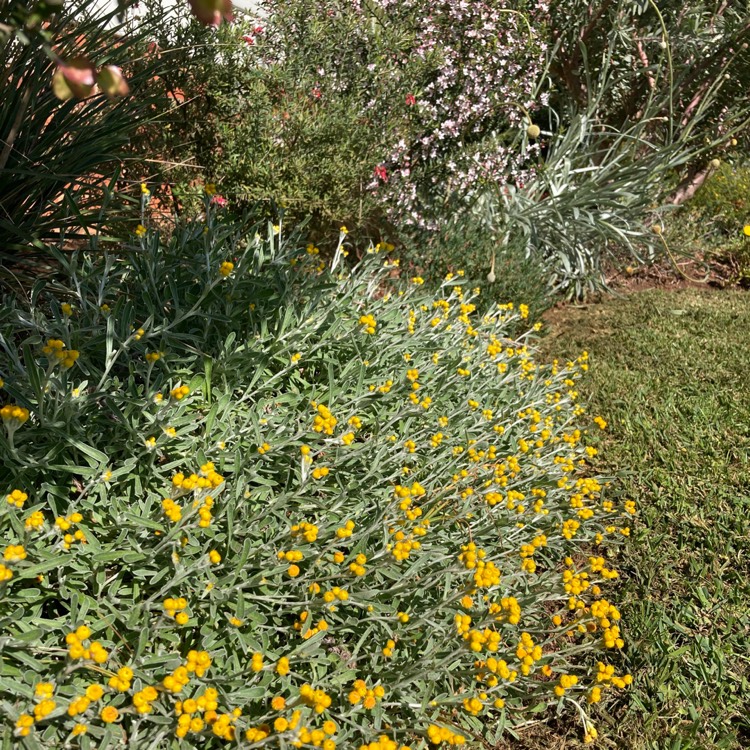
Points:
[(250, 501)]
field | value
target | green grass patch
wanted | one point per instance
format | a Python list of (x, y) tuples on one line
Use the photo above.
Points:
[(670, 373)]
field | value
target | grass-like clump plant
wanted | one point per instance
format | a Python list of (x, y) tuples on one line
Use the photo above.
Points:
[(258, 500)]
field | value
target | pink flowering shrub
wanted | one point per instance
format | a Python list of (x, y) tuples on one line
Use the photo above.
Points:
[(473, 69)]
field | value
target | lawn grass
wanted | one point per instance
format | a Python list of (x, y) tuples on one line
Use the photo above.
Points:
[(670, 371)]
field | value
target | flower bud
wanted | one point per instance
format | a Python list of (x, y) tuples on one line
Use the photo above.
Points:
[(211, 12), (491, 277), (73, 79), (112, 82), (533, 131)]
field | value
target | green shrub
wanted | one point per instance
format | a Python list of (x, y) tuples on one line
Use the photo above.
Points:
[(723, 200), (361, 113), (502, 271), (712, 224), (251, 499), (260, 121)]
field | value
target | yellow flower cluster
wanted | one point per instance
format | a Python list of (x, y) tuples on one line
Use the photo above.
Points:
[(368, 323), (368, 697), (143, 699), (478, 639), (179, 392), (14, 553), (208, 478), (358, 566), (55, 350), (528, 652), (606, 615), (175, 608), (292, 556), (17, 498), (606, 675), (78, 650), (385, 388), (438, 735), (257, 734), (403, 546), (204, 511), (473, 706), (336, 593), (527, 552), (508, 610), (13, 413), (121, 680), (575, 583), (496, 668), (194, 714), (486, 573), (65, 523), (177, 680), (345, 531), (222, 725), (566, 682), (570, 527), (598, 565), (171, 510), (307, 736), (310, 631), (80, 705), (318, 699), (384, 743), (324, 421), (308, 531)]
